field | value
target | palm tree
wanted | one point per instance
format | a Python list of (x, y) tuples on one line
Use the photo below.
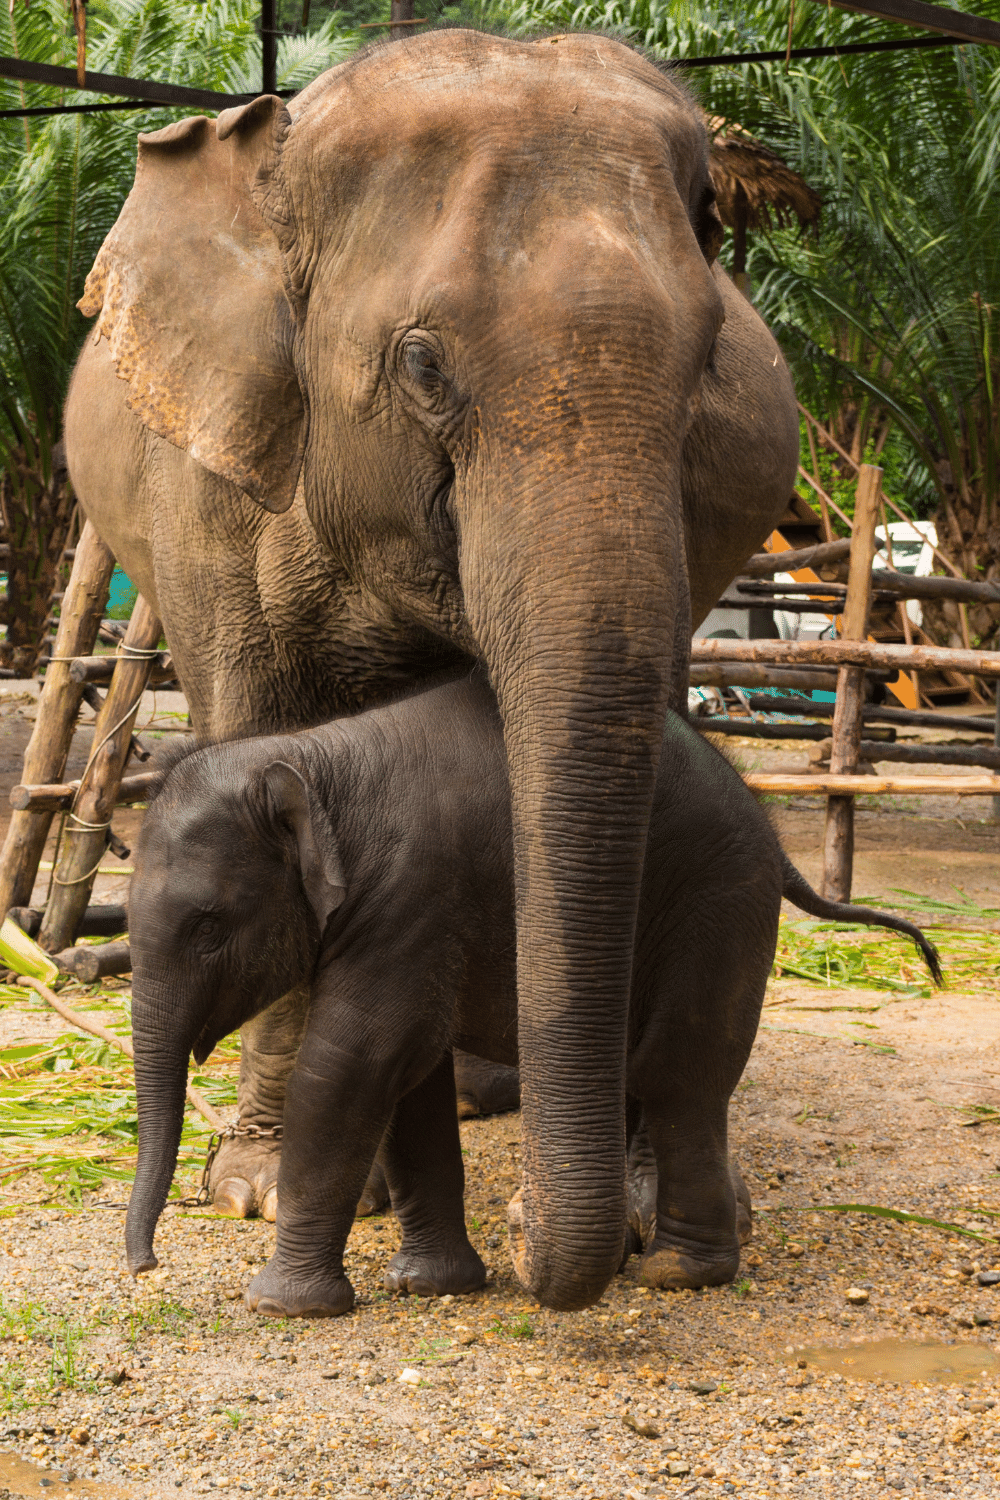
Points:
[(62, 183)]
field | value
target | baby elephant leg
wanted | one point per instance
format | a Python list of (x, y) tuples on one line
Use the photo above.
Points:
[(697, 1235), (422, 1158)]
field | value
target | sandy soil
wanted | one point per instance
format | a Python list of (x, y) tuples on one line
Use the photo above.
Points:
[(852, 1096)]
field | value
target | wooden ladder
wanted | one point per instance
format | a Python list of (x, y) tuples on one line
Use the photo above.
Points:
[(87, 805)]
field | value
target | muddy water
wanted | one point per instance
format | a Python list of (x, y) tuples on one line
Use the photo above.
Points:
[(902, 1360), (24, 1481)]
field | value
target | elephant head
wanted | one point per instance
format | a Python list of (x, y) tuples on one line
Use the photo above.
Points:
[(463, 285)]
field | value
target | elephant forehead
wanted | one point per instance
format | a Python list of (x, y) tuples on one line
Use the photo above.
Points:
[(585, 100)]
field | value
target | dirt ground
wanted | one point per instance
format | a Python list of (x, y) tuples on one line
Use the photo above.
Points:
[(855, 1355)]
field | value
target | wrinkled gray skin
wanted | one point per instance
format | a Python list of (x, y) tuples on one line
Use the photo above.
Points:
[(464, 287), (389, 833)]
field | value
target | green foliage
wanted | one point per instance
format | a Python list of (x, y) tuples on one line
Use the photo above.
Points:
[(30, 1323), (519, 1327), (68, 1113), (63, 180)]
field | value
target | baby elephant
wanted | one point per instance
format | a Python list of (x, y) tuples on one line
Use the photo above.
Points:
[(372, 859)]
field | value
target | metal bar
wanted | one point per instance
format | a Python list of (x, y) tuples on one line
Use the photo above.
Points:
[(268, 46), (904, 44), (954, 23), (108, 83), (75, 109)]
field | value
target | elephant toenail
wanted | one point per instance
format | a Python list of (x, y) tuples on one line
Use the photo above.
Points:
[(269, 1208), (234, 1197)]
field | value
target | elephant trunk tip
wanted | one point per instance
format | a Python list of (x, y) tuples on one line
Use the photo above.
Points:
[(566, 1288), (141, 1261)]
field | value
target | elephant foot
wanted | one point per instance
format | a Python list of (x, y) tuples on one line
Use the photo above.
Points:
[(273, 1294), (744, 1207), (375, 1196), (485, 1088), (515, 1236), (244, 1178), (673, 1267), (418, 1273)]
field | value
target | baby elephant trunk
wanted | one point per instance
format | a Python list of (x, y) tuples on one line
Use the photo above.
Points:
[(160, 1081)]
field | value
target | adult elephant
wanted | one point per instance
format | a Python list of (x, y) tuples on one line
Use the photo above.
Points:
[(463, 287)]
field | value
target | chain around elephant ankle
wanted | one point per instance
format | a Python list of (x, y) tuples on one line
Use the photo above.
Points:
[(232, 1132)]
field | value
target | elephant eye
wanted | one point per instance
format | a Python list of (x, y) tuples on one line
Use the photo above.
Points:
[(419, 362)]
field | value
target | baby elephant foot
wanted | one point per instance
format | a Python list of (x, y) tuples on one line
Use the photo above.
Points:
[(244, 1178), (275, 1294), (673, 1266), (421, 1274)]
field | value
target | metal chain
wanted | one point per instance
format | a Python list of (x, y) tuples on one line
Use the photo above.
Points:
[(230, 1133)]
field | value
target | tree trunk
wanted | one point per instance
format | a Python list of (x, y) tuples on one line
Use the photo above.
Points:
[(36, 517)]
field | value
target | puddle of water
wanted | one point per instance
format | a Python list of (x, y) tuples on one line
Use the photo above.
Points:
[(26, 1481), (904, 1359)]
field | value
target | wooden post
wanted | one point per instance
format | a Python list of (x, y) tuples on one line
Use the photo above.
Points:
[(86, 833), (400, 10), (45, 758), (838, 843)]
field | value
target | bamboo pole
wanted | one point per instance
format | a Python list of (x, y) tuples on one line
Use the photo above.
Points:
[(838, 839), (84, 1023), (45, 758), (91, 962), (86, 834), (872, 750), (766, 564), (869, 654), (754, 674), (58, 796), (808, 785)]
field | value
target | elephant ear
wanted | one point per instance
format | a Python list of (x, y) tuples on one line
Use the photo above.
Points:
[(295, 806), (188, 289)]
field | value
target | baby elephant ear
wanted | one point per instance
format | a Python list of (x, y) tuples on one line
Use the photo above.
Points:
[(189, 292), (296, 806)]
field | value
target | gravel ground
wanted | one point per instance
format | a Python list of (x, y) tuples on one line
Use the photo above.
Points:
[(171, 1386)]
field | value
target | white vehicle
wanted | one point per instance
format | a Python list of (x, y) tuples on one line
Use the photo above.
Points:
[(911, 544)]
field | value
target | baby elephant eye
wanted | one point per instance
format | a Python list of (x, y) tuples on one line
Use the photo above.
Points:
[(207, 931)]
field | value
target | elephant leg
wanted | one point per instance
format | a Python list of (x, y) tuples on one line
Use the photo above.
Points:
[(245, 1172), (339, 1102), (696, 1240), (641, 1190), (485, 1088), (422, 1157)]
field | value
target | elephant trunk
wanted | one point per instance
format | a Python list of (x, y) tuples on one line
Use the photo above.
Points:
[(579, 654), (161, 1066)]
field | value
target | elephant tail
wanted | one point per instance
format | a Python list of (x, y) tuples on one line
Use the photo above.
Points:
[(797, 890)]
